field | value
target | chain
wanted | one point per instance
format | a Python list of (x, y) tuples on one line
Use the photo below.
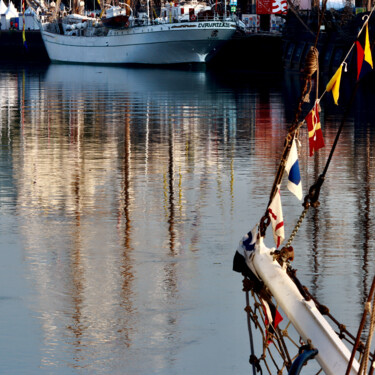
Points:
[(296, 228)]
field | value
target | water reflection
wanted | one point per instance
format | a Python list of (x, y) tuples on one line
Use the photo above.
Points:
[(90, 172), (364, 210), (131, 188)]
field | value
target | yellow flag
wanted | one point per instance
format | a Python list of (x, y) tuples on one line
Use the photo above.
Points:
[(368, 55), (334, 85)]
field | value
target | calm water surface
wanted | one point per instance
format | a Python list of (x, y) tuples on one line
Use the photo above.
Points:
[(124, 194)]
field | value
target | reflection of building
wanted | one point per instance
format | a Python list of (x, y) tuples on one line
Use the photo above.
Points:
[(8, 100)]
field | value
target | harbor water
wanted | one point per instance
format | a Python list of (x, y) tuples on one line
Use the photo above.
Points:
[(124, 194)]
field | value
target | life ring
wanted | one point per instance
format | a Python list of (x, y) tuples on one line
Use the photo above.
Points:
[(193, 17)]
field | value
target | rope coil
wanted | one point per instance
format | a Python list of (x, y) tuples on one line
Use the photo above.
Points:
[(312, 61), (311, 66)]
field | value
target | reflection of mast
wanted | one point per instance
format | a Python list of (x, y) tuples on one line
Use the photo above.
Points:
[(23, 104), (171, 191), (126, 191), (364, 217), (76, 261), (170, 268), (126, 266), (78, 284)]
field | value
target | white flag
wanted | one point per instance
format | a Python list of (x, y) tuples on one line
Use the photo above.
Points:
[(292, 169), (276, 214)]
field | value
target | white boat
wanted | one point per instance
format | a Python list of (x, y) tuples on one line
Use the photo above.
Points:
[(80, 39), (293, 324)]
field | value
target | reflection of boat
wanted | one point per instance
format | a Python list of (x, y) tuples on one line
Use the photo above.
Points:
[(82, 77), (163, 41)]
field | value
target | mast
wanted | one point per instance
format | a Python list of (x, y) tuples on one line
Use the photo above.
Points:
[(56, 11), (75, 6)]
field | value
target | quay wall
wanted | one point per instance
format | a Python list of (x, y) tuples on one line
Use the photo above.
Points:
[(12, 48)]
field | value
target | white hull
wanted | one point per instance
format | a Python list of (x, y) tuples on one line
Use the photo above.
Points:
[(333, 355), (193, 42)]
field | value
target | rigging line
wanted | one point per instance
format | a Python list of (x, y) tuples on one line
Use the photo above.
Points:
[(250, 330), (320, 22), (313, 57), (315, 188), (308, 77), (293, 129), (360, 329), (351, 48), (281, 167), (366, 354), (295, 124), (314, 194), (292, 8), (348, 107), (314, 191)]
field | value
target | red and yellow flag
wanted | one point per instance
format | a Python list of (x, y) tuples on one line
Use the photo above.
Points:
[(314, 128), (364, 56)]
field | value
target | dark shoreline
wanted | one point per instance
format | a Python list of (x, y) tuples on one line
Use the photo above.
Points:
[(13, 50)]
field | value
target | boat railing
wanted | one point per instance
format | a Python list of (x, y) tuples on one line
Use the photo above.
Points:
[(52, 27), (187, 19)]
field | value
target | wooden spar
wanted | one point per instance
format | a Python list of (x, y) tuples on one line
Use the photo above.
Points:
[(35, 4), (333, 355), (57, 6), (360, 328), (75, 9)]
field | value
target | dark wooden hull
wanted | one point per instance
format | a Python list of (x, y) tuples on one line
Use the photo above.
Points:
[(117, 22)]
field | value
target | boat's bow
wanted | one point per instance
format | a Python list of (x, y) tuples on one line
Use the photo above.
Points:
[(333, 356)]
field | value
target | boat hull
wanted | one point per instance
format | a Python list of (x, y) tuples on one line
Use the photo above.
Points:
[(194, 42)]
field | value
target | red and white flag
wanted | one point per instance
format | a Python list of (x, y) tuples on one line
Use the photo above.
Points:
[(272, 318), (276, 214)]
